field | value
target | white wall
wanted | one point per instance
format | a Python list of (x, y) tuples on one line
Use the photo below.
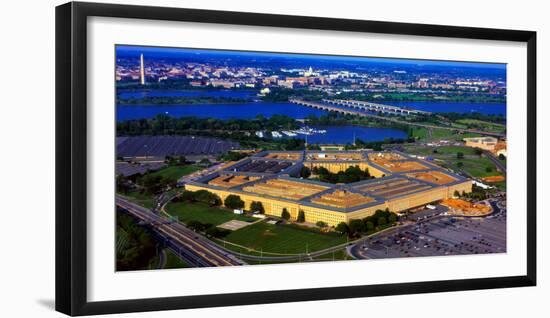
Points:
[(27, 157)]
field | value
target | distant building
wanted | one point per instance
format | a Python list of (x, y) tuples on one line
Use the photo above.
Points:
[(332, 147), (491, 144), (222, 83), (141, 70)]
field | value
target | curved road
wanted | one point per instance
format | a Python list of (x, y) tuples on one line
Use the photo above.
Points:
[(500, 166), (200, 251)]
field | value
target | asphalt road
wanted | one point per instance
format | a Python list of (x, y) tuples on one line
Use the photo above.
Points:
[(194, 249), (500, 166)]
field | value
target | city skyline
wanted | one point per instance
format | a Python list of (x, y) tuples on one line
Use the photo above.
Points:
[(330, 74)]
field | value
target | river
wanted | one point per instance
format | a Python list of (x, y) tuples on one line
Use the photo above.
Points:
[(249, 110)]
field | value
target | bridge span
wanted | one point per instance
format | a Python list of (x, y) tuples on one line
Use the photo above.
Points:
[(369, 106), (344, 109)]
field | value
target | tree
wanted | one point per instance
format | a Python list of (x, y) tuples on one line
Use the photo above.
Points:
[(185, 196), (182, 161), (122, 183), (214, 231), (205, 162), (355, 227), (351, 174), (369, 226), (321, 224), (257, 206), (234, 202), (301, 217), (488, 169), (285, 215), (460, 155), (342, 227), (501, 157), (456, 194), (305, 172), (392, 218), (460, 164), (198, 226), (478, 151), (232, 156), (139, 246), (382, 221), (154, 183), (207, 197)]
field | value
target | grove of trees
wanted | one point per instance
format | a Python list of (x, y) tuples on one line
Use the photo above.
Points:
[(301, 217), (377, 221), (351, 174), (202, 196), (233, 202), (285, 215), (257, 206), (135, 247)]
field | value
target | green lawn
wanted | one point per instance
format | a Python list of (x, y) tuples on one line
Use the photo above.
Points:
[(203, 213), (283, 239), (419, 132), (480, 124), (443, 152), (422, 134), (175, 172), (468, 135), (477, 167), (340, 255), (173, 261), (454, 149), (472, 164), (442, 134), (500, 185), (143, 199)]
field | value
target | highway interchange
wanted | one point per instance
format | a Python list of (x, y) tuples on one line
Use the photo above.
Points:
[(193, 248)]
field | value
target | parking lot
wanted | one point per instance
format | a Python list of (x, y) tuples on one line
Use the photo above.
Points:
[(439, 235)]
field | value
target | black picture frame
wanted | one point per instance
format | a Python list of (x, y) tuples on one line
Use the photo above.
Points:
[(71, 157)]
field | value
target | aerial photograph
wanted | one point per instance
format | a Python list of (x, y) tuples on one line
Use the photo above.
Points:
[(237, 158)]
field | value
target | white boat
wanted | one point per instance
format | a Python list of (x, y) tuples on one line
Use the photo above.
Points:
[(309, 131), (289, 133)]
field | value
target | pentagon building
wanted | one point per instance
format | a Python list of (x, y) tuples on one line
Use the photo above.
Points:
[(272, 177)]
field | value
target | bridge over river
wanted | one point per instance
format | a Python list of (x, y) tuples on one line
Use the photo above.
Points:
[(368, 106), (363, 108)]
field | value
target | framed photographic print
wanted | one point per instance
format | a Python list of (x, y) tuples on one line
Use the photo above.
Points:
[(209, 158)]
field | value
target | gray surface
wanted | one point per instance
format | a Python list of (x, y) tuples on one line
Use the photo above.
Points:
[(161, 146), (437, 236), (127, 169)]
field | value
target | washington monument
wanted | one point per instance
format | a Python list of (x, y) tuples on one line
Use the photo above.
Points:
[(141, 70)]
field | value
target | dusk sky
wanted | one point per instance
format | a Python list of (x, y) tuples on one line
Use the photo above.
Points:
[(161, 52)]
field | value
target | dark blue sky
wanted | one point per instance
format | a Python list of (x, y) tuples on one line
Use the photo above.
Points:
[(161, 52)]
